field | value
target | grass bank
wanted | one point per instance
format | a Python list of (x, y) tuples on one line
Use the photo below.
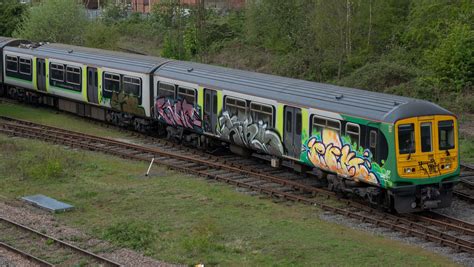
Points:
[(178, 218)]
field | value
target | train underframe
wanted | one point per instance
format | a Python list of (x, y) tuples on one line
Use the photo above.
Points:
[(401, 199)]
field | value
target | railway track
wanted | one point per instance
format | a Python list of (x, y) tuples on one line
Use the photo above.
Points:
[(258, 177), (45, 250)]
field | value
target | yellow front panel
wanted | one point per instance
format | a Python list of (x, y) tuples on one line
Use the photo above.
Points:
[(427, 164)]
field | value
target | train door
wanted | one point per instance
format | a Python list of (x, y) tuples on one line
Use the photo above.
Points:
[(427, 161), (41, 74), (210, 111), (92, 85), (292, 131)]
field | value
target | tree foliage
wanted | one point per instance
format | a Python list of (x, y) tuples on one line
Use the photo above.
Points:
[(10, 14), (62, 21)]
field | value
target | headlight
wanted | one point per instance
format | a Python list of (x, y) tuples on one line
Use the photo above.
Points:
[(447, 166), (408, 170)]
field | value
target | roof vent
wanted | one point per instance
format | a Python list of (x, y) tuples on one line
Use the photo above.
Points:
[(70, 51), (339, 97), (396, 103), (190, 69)]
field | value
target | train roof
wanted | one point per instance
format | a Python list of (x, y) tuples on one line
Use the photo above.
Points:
[(93, 57), (343, 100), (4, 41)]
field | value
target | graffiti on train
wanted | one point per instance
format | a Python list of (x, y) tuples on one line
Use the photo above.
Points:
[(328, 150), (126, 103), (250, 134), (178, 113)]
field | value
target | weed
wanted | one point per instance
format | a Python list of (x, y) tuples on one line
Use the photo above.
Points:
[(135, 235), (49, 241)]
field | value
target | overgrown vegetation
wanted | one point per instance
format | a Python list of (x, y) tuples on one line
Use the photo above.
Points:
[(422, 49), (10, 16)]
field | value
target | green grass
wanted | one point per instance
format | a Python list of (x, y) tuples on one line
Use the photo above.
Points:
[(55, 118), (178, 218), (466, 144)]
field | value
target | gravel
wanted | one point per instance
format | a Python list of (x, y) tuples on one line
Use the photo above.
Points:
[(460, 210), (10, 259), (461, 258), (44, 222)]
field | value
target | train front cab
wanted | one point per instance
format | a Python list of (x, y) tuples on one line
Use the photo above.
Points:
[(427, 162)]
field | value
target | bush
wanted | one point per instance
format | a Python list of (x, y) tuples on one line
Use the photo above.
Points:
[(10, 16), (379, 76), (60, 21), (102, 36)]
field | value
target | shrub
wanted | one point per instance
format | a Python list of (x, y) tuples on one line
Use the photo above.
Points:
[(61, 21), (379, 76)]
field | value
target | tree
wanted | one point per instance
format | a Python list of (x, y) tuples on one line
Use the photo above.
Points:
[(10, 14), (61, 21)]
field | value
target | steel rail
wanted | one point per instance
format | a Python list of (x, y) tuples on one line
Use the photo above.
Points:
[(60, 242), (219, 171), (26, 255)]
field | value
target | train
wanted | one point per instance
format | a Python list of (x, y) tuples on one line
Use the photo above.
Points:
[(396, 152)]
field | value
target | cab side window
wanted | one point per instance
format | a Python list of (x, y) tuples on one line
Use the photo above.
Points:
[(406, 138)]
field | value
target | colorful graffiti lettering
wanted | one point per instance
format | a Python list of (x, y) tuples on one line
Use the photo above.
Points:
[(249, 134), (327, 150), (178, 113)]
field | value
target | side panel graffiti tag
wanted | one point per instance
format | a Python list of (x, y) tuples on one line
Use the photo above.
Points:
[(249, 134), (178, 113), (328, 151)]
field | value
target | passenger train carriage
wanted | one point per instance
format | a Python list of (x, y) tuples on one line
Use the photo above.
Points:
[(395, 151)]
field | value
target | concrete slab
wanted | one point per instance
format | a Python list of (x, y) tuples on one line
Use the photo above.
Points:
[(47, 203)]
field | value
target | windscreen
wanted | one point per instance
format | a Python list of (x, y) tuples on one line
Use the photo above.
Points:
[(446, 135)]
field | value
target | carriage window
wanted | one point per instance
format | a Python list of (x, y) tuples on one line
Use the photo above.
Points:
[(298, 124), (25, 66), (214, 104), (426, 143), (353, 131), (188, 94), (111, 82), (57, 72), (236, 107), (406, 138), (73, 75), (12, 63), (165, 90), (207, 105), (132, 85), (289, 125), (320, 123), (260, 112), (373, 139), (446, 135)]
